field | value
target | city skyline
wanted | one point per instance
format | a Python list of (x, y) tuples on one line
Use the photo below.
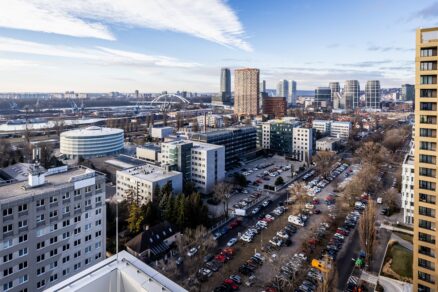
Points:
[(126, 47)]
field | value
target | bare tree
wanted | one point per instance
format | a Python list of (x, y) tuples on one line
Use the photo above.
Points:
[(324, 162), (222, 191), (298, 194), (372, 153), (392, 199), (367, 230)]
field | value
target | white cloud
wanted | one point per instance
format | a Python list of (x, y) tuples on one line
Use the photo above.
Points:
[(99, 55), (212, 20)]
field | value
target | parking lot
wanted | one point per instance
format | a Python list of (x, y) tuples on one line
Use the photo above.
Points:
[(273, 236)]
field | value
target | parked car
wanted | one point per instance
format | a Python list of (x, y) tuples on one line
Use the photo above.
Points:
[(192, 251)]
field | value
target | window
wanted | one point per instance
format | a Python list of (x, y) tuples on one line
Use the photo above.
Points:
[(22, 266), (7, 272), (77, 254), (66, 209), (88, 189), (7, 258), (41, 270), (53, 214), (66, 223), (66, 196), (22, 208), (53, 252), (41, 284), (97, 245), (53, 227), (22, 252), (65, 272), (7, 243), (65, 235), (88, 237), (98, 211), (41, 257), (77, 206), (22, 238), (7, 228), (77, 219), (88, 249), (40, 218), (427, 132), (7, 212), (87, 203), (53, 199), (65, 259), (428, 93), (98, 222), (77, 230), (22, 224), (98, 199), (54, 240), (7, 286), (53, 277), (425, 66), (428, 52), (87, 226), (22, 279), (40, 203), (77, 266), (427, 79), (65, 247), (77, 242), (98, 233)]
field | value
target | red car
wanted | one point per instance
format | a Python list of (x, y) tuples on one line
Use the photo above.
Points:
[(315, 202), (229, 251), (234, 224), (229, 281), (221, 258)]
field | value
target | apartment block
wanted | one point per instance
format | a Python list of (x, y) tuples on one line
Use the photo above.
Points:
[(322, 126), (140, 183), (304, 144), (246, 91), (408, 188), (425, 262), (54, 226)]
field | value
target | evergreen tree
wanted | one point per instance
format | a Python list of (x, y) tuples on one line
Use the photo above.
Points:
[(180, 211), (135, 219)]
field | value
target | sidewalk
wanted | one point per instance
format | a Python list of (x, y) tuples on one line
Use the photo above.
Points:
[(402, 242), (393, 285)]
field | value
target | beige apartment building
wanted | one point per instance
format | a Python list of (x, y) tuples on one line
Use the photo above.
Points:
[(246, 91), (425, 270)]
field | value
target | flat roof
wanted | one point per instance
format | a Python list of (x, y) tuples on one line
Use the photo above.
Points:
[(150, 146), (92, 131), (9, 192), (120, 272), (329, 139), (150, 172)]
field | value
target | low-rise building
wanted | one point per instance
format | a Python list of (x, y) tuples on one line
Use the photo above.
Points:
[(149, 152), (408, 188), (154, 242), (274, 106), (161, 132), (340, 129), (276, 136), (322, 126), (210, 120), (140, 183), (328, 144)]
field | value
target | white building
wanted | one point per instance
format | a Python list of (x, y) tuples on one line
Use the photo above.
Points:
[(322, 126), (201, 163), (212, 121), (303, 141), (120, 273), (91, 142), (149, 152), (143, 181), (408, 188), (161, 132), (327, 144), (54, 227), (340, 129)]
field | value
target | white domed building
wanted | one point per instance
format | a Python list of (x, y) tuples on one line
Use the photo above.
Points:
[(92, 142)]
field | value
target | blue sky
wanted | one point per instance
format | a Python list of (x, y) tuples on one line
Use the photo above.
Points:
[(106, 45)]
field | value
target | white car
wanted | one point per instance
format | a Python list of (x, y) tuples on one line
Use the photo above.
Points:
[(246, 238), (282, 234), (232, 242), (192, 251), (310, 206), (269, 217)]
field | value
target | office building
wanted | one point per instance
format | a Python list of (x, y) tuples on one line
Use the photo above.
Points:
[(277, 136), (263, 86), (321, 126), (425, 260), (224, 95), (274, 106), (201, 163), (351, 94), (372, 95), (120, 273), (408, 91), (408, 188), (304, 144), (139, 184), (246, 91), (334, 88), (340, 129), (92, 142), (54, 226), (328, 144), (283, 88), (323, 98), (292, 99), (149, 152), (210, 120), (161, 132), (239, 142)]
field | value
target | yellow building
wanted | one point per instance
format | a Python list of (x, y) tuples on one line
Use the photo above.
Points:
[(246, 91), (425, 270)]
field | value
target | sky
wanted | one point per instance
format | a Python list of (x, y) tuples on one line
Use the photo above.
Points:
[(157, 45)]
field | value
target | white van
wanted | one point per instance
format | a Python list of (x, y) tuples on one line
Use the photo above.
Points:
[(295, 220)]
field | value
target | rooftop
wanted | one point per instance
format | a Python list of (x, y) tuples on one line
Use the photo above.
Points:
[(328, 139), (119, 273), (18, 171), (153, 238), (150, 172), (125, 162), (92, 131), (9, 192), (151, 146)]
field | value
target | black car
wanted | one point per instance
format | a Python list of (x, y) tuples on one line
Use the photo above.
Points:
[(245, 271), (222, 288)]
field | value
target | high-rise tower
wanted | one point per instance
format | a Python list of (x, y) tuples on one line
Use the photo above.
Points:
[(351, 94), (292, 98), (425, 260), (372, 95), (283, 88), (246, 91)]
